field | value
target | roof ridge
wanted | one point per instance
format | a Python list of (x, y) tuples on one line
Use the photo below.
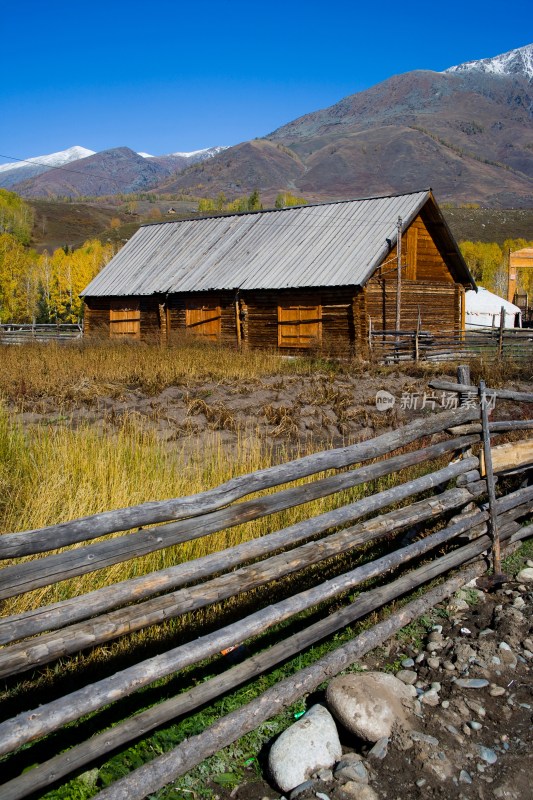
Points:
[(222, 214)]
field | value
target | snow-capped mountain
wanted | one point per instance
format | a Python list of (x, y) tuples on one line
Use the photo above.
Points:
[(16, 171), (119, 169), (51, 160), (189, 158), (199, 155), (517, 62)]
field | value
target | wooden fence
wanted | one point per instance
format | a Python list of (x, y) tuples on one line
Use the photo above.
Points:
[(364, 540), (450, 345), (13, 333)]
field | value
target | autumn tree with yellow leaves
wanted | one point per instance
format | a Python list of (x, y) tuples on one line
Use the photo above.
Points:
[(489, 264), (64, 274)]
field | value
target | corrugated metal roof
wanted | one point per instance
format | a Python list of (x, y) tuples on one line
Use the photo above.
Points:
[(327, 244)]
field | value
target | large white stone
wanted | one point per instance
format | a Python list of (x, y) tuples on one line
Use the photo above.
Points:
[(525, 575), (312, 743), (369, 703)]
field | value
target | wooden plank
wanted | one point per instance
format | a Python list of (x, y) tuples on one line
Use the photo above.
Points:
[(95, 525), (47, 647), (30, 575), (491, 491), (125, 318), (299, 324), (105, 599), (510, 457), (51, 716), (204, 319), (501, 394)]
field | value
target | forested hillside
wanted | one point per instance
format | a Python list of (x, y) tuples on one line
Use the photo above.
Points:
[(41, 287)]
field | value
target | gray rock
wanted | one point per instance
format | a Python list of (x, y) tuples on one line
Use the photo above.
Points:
[(380, 749), (496, 691), (464, 777), (433, 663), (476, 726), (359, 792), (303, 787), (407, 663), (457, 604), (369, 704), (310, 744), (525, 575), (488, 755), (324, 775), (353, 772), (321, 796), (476, 707), (418, 736), (430, 698), (348, 758), (407, 676), (448, 666), (471, 683)]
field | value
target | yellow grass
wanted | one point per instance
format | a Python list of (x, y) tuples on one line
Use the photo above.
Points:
[(52, 474), (88, 370)]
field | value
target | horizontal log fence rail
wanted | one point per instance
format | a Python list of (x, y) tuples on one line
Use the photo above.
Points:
[(382, 543), (20, 333), (419, 345)]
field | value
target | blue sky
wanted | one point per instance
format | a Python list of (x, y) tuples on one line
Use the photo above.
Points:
[(172, 76)]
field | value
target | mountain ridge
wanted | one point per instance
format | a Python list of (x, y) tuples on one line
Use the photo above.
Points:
[(466, 131)]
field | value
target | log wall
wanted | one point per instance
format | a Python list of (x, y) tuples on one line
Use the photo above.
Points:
[(260, 324), (428, 286), (97, 316)]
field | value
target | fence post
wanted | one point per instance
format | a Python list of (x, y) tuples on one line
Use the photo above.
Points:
[(463, 376), (493, 520), (417, 338), (500, 337)]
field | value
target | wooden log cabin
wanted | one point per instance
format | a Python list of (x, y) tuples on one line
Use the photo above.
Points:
[(313, 276)]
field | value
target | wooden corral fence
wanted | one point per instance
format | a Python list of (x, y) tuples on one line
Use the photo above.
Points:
[(515, 344), (372, 539), (15, 333)]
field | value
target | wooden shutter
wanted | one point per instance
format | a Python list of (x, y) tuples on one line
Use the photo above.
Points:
[(125, 319), (299, 324), (203, 319)]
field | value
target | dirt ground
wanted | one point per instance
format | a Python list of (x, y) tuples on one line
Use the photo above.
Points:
[(475, 743), (295, 412)]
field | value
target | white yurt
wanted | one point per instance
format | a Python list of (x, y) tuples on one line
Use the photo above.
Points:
[(484, 308)]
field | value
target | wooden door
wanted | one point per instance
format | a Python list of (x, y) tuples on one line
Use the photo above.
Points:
[(125, 320), (203, 319), (299, 324)]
